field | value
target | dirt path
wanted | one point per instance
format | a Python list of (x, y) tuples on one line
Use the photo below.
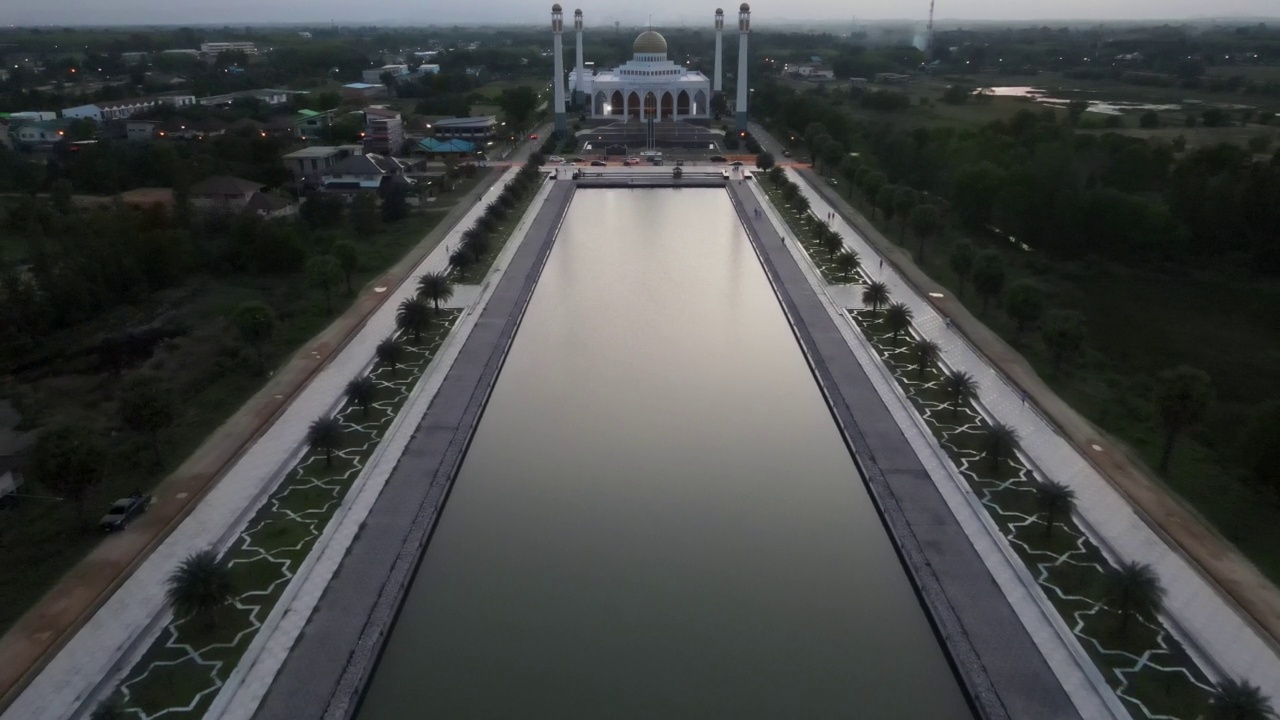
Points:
[(1244, 587), (43, 630)]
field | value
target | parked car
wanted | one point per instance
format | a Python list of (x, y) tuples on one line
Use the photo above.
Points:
[(555, 159), (123, 511), (717, 158), (598, 163)]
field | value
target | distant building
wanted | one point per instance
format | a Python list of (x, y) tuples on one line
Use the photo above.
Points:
[(141, 130), (363, 91), (39, 135), (308, 165), (383, 130), (266, 96), (363, 173), (122, 109), (311, 125), (892, 78), (213, 48), (426, 69), (815, 72), (223, 193), (466, 128), (271, 207), (305, 35), (374, 75)]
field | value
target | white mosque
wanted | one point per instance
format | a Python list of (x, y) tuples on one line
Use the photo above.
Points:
[(649, 86)]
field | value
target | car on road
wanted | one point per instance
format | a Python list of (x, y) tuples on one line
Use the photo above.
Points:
[(679, 163), (123, 511), (631, 161), (736, 163), (786, 153), (716, 158), (567, 163), (555, 159), (576, 159), (533, 136), (598, 163)]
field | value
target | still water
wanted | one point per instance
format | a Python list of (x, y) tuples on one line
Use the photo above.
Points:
[(657, 517)]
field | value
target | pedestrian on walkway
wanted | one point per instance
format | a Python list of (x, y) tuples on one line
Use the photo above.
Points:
[(881, 263), (948, 323), (1024, 398)]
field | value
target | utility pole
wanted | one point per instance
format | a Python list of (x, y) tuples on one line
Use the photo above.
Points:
[(928, 43)]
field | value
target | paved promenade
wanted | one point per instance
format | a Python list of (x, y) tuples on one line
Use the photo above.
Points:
[(102, 650), (1227, 643), (332, 660), (997, 660)]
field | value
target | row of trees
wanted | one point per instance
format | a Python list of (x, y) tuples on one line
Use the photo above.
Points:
[(1131, 589)]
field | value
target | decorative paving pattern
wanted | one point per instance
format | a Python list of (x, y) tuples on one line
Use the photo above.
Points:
[(1144, 663), (181, 673)]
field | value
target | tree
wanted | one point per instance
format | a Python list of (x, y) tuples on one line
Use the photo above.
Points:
[(1056, 501), (765, 161), (959, 386), (998, 442), (872, 184), (927, 351), (389, 352), (348, 261), (256, 325), (849, 168), (898, 318), (832, 154), (1184, 396), (109, 709), (962, 257), (395, 205), (1023, 303), (70, 461), (926, 221), (1133, 589), (60, 196), (988, 276), (518, 104), (1149, 120), (1239, 700), (364, 213), (324, 272), (846, 262), (199, 586), (325, 433), (147, 407), (360, 392), (904, 201), (436, 288), (875, 294), (830, 240), (1256, 447), (884, 200), (1063, 335), (413, 315)]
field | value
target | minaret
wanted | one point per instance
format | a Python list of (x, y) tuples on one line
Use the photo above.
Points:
[(577, 79), (744, 29), (557, 48), (715, 79)]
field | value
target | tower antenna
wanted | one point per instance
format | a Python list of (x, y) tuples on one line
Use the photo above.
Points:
[(928, 48)]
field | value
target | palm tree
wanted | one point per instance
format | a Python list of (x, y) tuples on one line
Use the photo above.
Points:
[(876, 294), (960, 386), (324, 434), (413, 316), (830, 240), (1133, 589), (898, 316), (200, 585), (1055, 500), (998, 442), (1239, 700), (1184, 397), (846, 262), (360, 391), (389, 352), (109, 709), (436, 288), (926, 352)]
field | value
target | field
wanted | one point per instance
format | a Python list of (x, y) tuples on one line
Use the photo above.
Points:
[(40, 540)]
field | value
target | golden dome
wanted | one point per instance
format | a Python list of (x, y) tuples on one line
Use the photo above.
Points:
[(650, 42)]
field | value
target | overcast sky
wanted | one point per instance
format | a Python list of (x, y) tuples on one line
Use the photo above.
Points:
[(665, 12)]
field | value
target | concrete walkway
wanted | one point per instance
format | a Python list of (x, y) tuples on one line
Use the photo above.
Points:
[(1227, 642), (86, 668)]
